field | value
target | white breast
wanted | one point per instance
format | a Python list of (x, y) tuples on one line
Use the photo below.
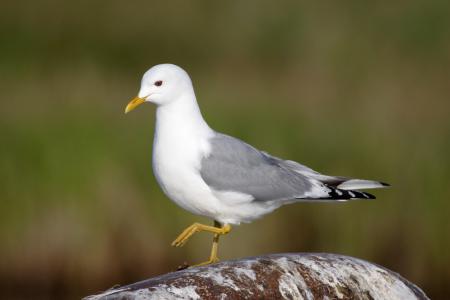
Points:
[(178, 148), (181, 141)]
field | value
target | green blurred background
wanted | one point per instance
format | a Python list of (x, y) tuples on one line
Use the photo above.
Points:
[(347, 87)]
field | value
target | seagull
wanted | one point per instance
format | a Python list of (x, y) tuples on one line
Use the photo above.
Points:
[(218, 176)]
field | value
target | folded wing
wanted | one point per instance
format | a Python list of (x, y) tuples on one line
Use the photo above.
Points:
[(234, 166)]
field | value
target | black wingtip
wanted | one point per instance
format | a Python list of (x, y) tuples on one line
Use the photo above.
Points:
[(369, 196), (338, 194), (361, 195), (385, 184)]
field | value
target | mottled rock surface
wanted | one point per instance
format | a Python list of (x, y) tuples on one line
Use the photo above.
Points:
[(276, 276)]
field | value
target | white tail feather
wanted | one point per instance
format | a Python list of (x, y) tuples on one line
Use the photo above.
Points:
[(356, 184)]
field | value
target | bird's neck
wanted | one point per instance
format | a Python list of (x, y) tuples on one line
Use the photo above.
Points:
[(181, 119)]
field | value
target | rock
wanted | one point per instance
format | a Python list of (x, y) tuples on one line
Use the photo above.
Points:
[(276, 276)]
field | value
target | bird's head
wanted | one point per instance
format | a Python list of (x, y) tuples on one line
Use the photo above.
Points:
[(161, 85)]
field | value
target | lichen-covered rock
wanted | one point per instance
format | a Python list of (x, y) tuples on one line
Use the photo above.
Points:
[(277, 276)]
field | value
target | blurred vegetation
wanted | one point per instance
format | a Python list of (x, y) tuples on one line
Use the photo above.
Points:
[(349, 88)]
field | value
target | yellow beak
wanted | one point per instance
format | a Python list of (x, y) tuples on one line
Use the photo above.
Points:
[(134, 103)]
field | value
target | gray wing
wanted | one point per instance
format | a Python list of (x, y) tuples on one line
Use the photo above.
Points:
[(236, 166)]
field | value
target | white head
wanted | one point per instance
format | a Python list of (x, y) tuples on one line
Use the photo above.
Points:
[(162, 84)]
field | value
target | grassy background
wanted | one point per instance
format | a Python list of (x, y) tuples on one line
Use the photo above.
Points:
[(348, 88)]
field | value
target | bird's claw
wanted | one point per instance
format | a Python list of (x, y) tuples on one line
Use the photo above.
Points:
[(208, 262), (185, 265)]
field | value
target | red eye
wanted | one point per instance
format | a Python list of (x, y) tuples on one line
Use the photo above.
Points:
[(158, 83)]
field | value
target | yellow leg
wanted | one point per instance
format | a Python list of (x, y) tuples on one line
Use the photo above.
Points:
[(215, 245), (217, 229), (197, 227)]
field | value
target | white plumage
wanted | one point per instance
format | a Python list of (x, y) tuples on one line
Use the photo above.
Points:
[(218, 176)]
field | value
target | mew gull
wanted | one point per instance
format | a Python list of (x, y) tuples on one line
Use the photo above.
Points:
[(218, 176)]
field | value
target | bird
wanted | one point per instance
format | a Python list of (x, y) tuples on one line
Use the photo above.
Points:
[(221, 177)]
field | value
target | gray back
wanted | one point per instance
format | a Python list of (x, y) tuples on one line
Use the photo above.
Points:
[(236, 166)]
